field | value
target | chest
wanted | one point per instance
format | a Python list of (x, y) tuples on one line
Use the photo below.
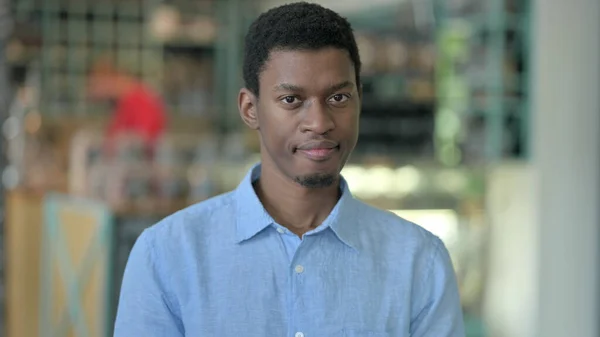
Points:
[(273, 287)]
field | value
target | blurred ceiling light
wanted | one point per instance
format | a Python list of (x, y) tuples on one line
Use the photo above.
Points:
[(451, 181), (164, 22), (11, 127), (443, 223), (354, 177), (379, 180), (407, 180)]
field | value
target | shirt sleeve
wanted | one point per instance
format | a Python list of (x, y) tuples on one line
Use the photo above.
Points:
[(437, 310), (144, 306)]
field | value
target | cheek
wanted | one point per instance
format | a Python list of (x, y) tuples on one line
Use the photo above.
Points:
[(274, 136), (276, 128), (348, 122), (279, 140)]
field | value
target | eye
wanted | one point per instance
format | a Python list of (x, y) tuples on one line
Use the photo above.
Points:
[(289, 100), (339, 98)]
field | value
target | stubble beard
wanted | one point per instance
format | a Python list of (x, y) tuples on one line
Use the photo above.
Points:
[(318, 180)]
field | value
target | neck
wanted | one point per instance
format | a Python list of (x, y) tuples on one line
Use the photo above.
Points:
[(293, 206)]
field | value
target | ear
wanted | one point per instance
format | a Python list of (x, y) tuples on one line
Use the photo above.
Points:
[(247, 102)]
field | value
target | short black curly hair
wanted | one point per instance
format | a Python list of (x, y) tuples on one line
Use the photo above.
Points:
[(295, 26)]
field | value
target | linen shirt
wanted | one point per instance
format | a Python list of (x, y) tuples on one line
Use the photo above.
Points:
[(225, 268)]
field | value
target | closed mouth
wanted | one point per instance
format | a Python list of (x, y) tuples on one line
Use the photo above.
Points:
[(318, 145), (319, 154)]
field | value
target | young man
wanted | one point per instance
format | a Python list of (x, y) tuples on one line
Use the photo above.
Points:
[(290, 252)]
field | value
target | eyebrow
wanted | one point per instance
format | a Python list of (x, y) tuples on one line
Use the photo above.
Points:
[(287, 87), (295, 88), (342, 85)]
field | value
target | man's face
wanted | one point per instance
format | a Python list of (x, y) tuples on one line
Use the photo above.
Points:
[(307, 114)]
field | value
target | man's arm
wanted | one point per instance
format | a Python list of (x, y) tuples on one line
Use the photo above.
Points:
[(437, 310), (144, 305)]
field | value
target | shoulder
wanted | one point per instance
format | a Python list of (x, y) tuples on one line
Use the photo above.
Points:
[(389, 226), (394, 239), (199, 220)]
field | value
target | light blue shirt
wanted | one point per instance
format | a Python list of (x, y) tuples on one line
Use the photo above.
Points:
[(224, 268)]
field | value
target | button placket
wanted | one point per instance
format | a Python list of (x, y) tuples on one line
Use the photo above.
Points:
[(298, 270)]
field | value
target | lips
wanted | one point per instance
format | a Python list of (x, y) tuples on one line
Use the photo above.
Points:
[(318, 150)]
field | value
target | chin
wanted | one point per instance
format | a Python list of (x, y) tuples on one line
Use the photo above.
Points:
[(317, 180)]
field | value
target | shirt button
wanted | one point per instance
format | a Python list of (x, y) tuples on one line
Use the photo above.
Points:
[(299, 269), (281, 230), (299, 334)]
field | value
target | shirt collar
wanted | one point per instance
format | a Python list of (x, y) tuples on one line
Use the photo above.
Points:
[(252, 218)]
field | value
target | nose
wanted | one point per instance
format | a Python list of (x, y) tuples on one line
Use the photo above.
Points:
[(317, 119)]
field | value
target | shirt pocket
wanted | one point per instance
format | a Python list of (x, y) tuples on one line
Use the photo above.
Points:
[(364, 333)]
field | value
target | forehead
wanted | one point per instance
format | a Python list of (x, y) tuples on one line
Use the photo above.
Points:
[(307, 68)]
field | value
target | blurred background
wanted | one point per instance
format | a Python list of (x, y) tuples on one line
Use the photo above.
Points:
[(480, 122)]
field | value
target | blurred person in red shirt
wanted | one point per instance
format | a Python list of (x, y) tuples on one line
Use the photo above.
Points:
[(138, 109)]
